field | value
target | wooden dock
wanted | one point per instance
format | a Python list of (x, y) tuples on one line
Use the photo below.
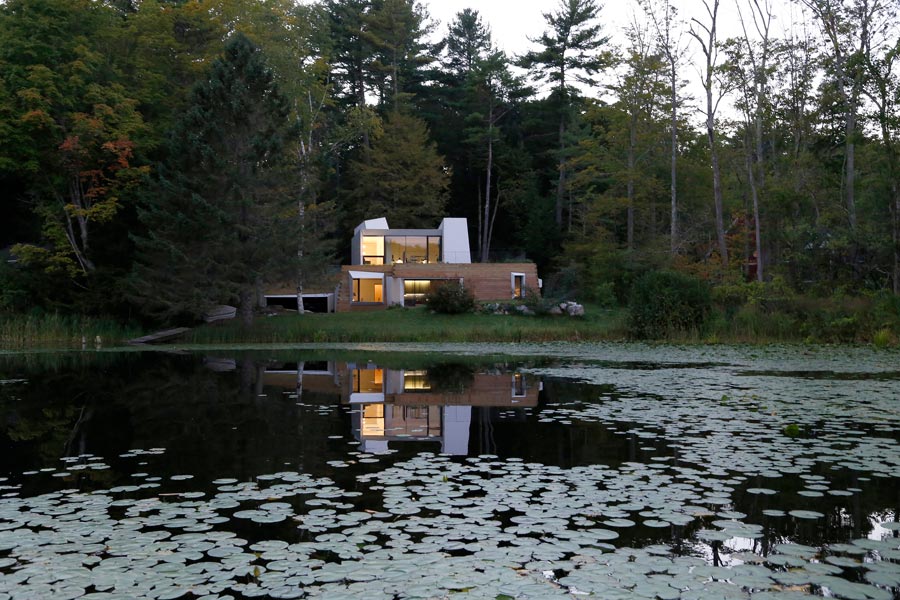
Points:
[(160, 336)]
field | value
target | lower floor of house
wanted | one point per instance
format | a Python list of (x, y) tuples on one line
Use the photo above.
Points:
[(373, 287)]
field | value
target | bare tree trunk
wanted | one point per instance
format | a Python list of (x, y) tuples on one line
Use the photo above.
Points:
[(761, 14), (79, 249), (299, 386), (561, 182), (247, 298), (756, 216), (485, 239), (663, 18), (632, 142), (301, 216), (709, 46), (896, 219), (833, 26), (754, 194), (717, 195), (673, 126), (478, 211), (494, 216), (850, 154)]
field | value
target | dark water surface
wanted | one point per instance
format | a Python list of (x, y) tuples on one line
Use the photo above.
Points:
[(618, 472)]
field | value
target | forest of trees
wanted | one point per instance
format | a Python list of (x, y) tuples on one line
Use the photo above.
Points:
[(161, 156)]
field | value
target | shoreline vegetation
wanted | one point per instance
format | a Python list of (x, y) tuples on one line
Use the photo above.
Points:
[(857, 322)]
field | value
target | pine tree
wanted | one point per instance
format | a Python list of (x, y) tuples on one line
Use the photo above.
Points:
[(220, 219), (404, 178), (571, 51)]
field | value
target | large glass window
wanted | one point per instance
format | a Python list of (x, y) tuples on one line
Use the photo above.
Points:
[(434, 249), (414, 249), (414, 290), (372, 250), (368, 290), (396, 249)]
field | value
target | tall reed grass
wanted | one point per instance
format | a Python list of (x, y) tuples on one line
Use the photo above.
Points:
[(63, 331)]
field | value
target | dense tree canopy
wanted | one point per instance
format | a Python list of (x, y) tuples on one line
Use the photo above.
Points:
[(160, 157), (218, 216)]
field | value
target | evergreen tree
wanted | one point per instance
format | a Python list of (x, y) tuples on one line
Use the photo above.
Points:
[(468, 40), (397, 30), (404, 178), (571, 52), (220, 219)]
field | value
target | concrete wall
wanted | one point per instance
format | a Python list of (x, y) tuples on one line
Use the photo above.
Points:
[(455, 241)]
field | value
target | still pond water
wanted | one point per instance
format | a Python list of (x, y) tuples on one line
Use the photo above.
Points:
[(615, 471)]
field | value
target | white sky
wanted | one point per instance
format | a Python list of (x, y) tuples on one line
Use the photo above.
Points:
[(512, 22)]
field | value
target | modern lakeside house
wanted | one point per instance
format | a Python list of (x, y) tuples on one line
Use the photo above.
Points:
[(397, 267)]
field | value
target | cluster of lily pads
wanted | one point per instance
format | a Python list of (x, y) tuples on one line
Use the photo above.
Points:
[(436, 526), (484, 526)]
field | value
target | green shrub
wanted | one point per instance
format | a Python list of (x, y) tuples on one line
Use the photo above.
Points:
[(450, 299), (663, 303), (539, 305), (605, 295)]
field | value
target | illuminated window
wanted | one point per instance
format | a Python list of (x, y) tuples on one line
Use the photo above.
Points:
[(414, 290), (416, 249), (434, 249), (368, 290), (518, 285), (413, 249), (372, 250)]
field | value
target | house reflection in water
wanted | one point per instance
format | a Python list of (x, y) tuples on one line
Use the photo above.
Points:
[(393, 405)]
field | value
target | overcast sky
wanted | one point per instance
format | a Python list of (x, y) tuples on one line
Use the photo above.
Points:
[(512, 22)]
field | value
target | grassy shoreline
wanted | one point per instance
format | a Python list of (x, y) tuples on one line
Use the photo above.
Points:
[(395, 325), (51, 331), (414, 325)]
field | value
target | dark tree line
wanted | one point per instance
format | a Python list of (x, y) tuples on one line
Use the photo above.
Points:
[(162, 156)]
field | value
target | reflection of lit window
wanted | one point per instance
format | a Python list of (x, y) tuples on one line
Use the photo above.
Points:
[(368, 381), (518, 385), (415, 380), (415, 412), (373, 419), (420, 421)]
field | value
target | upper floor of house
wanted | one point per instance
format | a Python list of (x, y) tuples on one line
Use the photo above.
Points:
[(375, 243)]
